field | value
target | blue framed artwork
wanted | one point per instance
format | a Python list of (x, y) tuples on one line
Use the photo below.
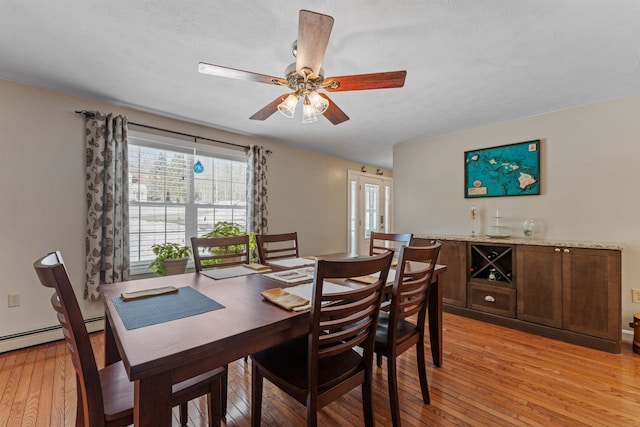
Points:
[(506, 170)]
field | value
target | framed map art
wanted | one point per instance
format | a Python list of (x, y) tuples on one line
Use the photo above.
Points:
[(507, 170)]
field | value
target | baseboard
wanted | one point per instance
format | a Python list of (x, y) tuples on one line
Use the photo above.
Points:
[(627, 336), (43, 335), (608, 345)]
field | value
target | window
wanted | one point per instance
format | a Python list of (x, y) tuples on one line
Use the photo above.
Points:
[(371, 208), (168, 202)]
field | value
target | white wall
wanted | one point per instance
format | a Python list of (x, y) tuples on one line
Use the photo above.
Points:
[(42, 195), (590, 165)]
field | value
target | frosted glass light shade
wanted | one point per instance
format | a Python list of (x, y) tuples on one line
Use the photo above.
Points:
[(319, 103), (288, 107), (308, 113)]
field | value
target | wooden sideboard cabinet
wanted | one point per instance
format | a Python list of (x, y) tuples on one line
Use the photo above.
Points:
[(571, 293), (453, 254), (490, 283), (539, 285), (575, 289)]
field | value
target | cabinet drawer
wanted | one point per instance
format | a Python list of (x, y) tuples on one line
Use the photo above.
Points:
[(492, 299)]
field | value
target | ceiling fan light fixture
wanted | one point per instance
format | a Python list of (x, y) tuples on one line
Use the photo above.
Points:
[(308, 112), (305, 76), (288, 107), (320, 104)]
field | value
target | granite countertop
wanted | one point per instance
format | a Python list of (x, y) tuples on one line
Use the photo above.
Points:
[(523, 241)]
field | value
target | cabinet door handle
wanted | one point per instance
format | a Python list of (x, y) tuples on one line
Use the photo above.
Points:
[(489, 298), (557, 249), (566, 251)]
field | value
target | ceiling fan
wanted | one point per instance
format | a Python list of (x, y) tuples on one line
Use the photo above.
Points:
[(306, 76)]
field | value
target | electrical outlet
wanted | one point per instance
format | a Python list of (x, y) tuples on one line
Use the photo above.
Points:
[(635, 295), (14, 300)]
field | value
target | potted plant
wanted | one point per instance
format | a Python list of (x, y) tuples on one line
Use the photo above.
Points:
[(231, 229), (171, 258)]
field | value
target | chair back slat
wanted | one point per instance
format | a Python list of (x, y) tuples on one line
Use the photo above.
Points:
[(52, 274), (380, 242), (341, 321), (411, 285), (277, 246), (413, 295), (213, 252)]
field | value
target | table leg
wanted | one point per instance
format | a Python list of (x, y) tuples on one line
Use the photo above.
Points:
[(435, 321), (152, 401), (111, 353)]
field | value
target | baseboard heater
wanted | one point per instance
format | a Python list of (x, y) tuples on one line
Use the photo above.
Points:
[(43, 335)]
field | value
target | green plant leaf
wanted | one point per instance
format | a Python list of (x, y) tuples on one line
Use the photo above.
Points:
[(231, 229), (164, 251)]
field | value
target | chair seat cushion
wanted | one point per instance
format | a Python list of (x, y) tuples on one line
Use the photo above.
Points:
[(405, 329), (288, 361)]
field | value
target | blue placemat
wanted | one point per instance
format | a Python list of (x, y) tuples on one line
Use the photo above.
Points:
[(163, 308)]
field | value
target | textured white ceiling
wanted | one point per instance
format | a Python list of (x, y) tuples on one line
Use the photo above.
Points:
[(469, 62)]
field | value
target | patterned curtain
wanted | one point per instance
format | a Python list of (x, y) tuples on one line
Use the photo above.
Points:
[(107, 242), (257, 190)]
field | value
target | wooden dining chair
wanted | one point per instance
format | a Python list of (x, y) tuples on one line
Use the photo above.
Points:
[(277, 246), (213, 252), (396, 332), (318, 368), (105, 396), (380, 242)]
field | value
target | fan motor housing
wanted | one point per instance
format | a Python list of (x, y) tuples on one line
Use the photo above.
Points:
[(297, 81)]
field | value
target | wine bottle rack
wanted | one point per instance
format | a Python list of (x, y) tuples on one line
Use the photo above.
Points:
[(492, 264)]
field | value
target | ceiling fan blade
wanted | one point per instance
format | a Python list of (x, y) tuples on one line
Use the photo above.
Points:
[(334, 114), (232, 73), (314, 30), (385, 80), (268, 109)]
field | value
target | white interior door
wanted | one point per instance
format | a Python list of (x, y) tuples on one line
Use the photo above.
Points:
[(369, 209)]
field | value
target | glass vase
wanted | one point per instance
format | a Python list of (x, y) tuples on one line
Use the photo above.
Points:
[(529, 228)]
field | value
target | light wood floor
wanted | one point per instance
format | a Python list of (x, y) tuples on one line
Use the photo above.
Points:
[(491, 376)]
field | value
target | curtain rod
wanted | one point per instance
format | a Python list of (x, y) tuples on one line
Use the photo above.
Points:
[(89, 114)]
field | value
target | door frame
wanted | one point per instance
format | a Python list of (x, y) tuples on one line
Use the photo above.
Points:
[(357, 177)]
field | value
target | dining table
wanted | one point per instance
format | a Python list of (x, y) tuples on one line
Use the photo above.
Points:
[(236, 321)]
